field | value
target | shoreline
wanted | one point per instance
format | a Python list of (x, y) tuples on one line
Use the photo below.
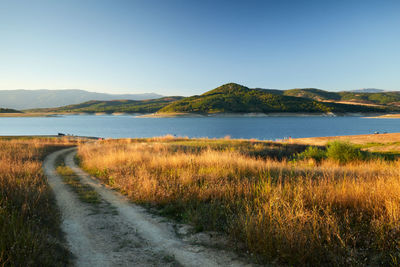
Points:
[(385, 116), (260, 115), (209, 115)]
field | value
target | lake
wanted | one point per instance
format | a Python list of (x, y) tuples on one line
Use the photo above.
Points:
[(263, 128)]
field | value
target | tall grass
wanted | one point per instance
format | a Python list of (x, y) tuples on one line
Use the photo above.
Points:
[(298, 213), (29, 219)]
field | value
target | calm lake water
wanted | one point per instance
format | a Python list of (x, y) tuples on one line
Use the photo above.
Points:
[(264, 128)]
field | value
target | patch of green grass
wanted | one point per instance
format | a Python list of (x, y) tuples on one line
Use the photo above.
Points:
[(85, 192), (77, 160), (374, 144)]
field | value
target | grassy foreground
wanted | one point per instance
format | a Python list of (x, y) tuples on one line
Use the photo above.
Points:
[(288, 209), (29, 219)]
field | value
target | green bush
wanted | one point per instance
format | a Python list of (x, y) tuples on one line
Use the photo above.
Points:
[(344, 152), (312, 152)]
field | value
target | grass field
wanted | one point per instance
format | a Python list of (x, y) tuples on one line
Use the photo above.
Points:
[(388, 142), (29, 219), (282, 209)]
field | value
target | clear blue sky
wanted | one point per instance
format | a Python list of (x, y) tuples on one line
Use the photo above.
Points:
[(187, 47)]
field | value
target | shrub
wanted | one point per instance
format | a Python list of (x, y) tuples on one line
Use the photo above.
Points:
[(312, 152), (344, 152)]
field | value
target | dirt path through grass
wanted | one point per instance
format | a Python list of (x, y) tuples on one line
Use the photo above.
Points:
[(117, 232)]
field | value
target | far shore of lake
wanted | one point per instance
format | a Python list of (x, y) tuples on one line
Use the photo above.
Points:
[(385, 116), (277, 114), (199, 115)]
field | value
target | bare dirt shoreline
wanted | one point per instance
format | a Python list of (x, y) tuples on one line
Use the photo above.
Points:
[(121, 233), (195, 115)]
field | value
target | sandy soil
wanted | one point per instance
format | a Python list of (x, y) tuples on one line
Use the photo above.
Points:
[(386, 116), (119, 233)]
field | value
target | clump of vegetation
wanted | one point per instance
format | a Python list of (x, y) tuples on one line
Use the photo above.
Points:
[(295, 214), (30, 232), (312, 152), (344, 152), (339, 151)]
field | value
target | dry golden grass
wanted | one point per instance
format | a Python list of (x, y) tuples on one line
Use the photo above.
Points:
[(29, 219), (355, 102), (355, 139), (283, 211)]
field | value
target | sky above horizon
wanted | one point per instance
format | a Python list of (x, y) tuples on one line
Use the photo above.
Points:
[(187, 47)]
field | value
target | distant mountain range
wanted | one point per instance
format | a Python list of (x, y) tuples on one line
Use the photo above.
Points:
[(368, 90), (29, 99), (235, 98)]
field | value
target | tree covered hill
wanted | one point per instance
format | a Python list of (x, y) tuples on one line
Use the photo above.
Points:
[(9, 110), (377, 98), (382, 98), (235, 98)]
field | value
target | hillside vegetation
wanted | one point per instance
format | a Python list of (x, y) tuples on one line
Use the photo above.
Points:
[(312, 93), (384, 98), (235, 98), (9, 110), (379, 98), (128, 106), (327, 206)]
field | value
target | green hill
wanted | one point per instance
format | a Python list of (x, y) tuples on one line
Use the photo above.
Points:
[(9, 110), (128, 106), (312, 93), (378, 98), (235, 98), (383, 98)]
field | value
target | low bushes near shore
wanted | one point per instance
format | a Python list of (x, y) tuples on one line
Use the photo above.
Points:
[(29, 219), (340, 152), (293, 212)]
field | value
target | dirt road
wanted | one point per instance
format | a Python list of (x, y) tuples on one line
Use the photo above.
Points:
[(119, 233)]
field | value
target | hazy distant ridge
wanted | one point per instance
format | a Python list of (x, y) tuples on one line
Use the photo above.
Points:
[(27, 99)]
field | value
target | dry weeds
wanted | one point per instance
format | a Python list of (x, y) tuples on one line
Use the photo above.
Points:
[(29, 219), (283, 211)]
